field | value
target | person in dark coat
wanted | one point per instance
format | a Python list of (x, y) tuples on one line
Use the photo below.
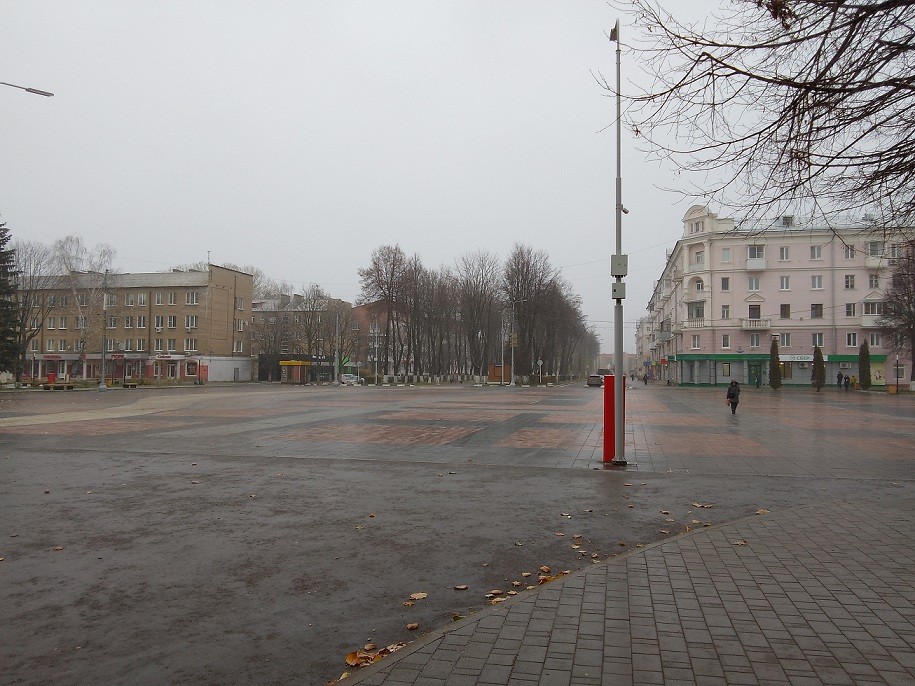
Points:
[(733, 396), (839, 379), (847, 382)]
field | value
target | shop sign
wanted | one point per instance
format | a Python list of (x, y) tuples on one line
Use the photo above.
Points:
[(795, 358)]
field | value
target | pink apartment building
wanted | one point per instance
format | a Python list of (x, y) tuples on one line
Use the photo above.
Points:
[(726, 291)]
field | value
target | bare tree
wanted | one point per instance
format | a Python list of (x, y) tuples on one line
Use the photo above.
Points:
[(384, 280), (526, 278), (478, 276), (781, 104), (898, 321), (34, 279)]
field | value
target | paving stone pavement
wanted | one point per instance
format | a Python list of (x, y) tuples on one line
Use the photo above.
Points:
[(820, 594)]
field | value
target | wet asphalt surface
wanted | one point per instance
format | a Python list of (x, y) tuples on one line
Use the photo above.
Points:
[(203, 538)]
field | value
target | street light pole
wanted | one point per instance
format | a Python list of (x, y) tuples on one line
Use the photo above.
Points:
[(375, 324), (511, 338), (28, 90), (619, 267), (102, 385)]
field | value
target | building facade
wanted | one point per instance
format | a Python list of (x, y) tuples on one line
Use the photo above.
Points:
[(726, 292), (181, 325)]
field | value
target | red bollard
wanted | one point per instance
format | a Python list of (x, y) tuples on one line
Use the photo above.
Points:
[(609, 418)]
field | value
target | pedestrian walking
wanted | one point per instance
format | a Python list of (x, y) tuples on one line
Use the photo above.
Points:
[(733, 396), (645, 379), (846, 382), (854, 382), (839, 378)]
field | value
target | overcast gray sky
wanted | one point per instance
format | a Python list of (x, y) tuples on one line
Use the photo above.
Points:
[(298, 136)]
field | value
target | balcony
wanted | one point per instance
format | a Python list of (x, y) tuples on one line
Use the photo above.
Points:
[(870, 321), (694, 297), (756, 264), (693, 268), (676, 328), (665, 336), (695, 324), (878, 262), (755, 324)]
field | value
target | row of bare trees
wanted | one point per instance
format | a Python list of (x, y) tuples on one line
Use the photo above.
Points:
[(459, 320)]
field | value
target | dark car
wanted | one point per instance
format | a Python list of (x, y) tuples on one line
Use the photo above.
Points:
[(596, 380)]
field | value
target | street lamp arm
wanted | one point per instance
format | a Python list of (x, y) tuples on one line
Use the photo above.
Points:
[(28, 90)]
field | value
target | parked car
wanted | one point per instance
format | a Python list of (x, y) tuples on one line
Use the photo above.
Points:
[(596, 380), (351, 380)]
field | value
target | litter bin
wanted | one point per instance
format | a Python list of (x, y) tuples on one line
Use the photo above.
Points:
[(52, 377)]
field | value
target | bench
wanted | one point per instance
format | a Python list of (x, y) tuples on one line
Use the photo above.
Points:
[(129, 384), (57, 386)]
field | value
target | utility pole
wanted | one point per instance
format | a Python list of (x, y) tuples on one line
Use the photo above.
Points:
[(337, 348)]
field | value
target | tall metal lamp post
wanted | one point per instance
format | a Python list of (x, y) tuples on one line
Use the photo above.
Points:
[(103, 386), (619, 267)]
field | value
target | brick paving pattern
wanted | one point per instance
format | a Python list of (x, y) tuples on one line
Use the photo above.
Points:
[(815, 595)]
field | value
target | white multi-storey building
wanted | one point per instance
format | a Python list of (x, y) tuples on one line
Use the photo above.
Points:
[(726, 291)]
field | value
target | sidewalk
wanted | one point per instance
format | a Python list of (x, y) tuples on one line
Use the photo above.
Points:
[(814, 595)]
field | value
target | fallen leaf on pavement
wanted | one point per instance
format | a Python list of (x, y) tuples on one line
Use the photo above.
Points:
[(409, 603), (412, 626), (664, 531), (195, 482), (525, 574), (665, 511), (545, 569), (462, 587), (58, 547), (370, 646), (495, 592), (739, 542), (457, 616), (707, 506), (418, 596), (762, 511)]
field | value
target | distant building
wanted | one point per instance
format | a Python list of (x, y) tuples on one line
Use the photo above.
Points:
[(182, 325), (726, 292)]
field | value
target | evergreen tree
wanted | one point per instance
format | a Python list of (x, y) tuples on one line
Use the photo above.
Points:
[(775, 368), (7, 301), (864, 366), (818, 377)]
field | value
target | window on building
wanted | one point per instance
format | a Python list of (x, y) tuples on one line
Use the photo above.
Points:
[(695, 341), (128, 322), (872, 307), (816, 339), (850, 309), (725, 311), (111, 300), (128, 344), (82, 300), (784, 311), (725, 340), (755, 252), (158, 345), (62, 323), (160, 298), (238, 347), (160, 322), (695, 311), (62, 344), (33, 324), (697, 226), (52, 322), (873, 280), (172, 298), (754, 312), (129, 299), (785, 283), (787, 369), (816, 252), (172, 321), (141, 321), (141, 298), (725, 283), (816, 282), (849, 282), (81, 322), (355, 326), (700, 285), (753, 283), (784, 340), (191, 298), (874, 248), (700, 257), (272, 321), (874, 339), (190, 344), (239, 303), (141, 344), (112, 323), (190, 321), (816, 311), (110, 345), (172, 345), (725, 254), (849, 252), (754, 340), (783, 253), (851, 339), (34, 345), (49, 345)]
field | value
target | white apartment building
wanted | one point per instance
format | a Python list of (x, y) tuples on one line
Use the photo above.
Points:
[(725, 292)]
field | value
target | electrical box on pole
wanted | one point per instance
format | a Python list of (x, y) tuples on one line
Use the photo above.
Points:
[(618, 290), (619, 265)]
